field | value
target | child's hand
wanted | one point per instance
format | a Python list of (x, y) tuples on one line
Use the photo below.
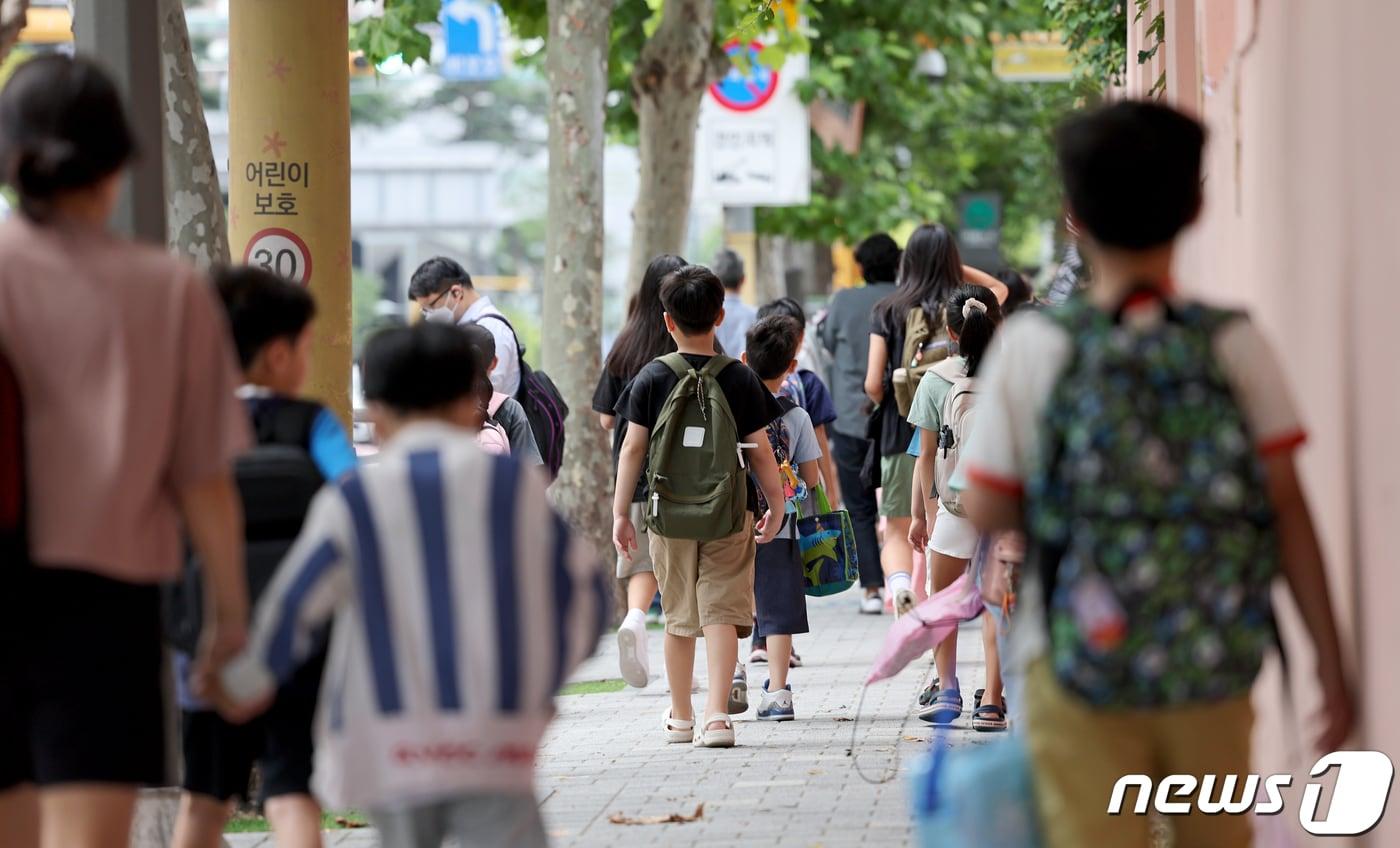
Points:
[(624, 536), (918, 533), (1338, 712), (223, 636), (207, 687), (766, 530)]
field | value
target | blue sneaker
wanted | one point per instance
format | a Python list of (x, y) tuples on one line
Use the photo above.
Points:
[(775, 706)]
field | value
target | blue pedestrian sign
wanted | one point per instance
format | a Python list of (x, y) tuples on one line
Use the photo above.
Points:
[(474, 31), (742, 91)]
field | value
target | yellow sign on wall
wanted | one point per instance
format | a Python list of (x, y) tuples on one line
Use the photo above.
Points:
[(1032, 57)]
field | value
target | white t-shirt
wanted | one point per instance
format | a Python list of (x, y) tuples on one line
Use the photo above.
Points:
[(1014, 386), (505, 377)]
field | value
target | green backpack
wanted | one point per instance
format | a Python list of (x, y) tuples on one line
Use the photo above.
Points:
[(1156, 543), (695, 474)]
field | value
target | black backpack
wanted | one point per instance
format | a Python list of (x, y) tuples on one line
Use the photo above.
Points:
[(13, 550), (276, 481), (544, 406)]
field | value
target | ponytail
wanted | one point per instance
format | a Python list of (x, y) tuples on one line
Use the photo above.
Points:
[(973, 315)]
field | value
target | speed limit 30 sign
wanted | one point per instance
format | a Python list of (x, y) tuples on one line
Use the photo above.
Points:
[(282, 252)]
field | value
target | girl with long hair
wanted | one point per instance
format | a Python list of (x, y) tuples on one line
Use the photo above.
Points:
[(930, 270), (643, 338)]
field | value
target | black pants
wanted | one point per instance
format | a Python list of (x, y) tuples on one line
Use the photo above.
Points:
[(849, 453)]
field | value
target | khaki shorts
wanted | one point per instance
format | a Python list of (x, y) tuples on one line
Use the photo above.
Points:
[(641, 557), (705, 583), (1079, 753), (897, 486)]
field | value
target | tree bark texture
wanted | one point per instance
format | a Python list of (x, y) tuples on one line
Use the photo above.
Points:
[(195, 224), (576, 67), (676, 66), (11, 22)]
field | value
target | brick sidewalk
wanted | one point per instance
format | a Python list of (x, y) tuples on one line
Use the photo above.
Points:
[(789, 784)]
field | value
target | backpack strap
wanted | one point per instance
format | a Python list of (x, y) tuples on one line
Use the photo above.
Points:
[(677, 363), (519, 348), (717, 363), (951, 369), (786, 403)]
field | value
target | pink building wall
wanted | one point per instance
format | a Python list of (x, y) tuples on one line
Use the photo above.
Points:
[(1302, 225)]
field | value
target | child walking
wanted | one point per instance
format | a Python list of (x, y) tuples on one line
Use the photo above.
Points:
[(808, 390), (441, 677), (1145, 442), (642, 339), (271, 320), (691, 417), (781, 600), (942, 413)]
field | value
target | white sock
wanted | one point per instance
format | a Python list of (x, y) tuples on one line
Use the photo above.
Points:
[(635, 616), (898, 580)]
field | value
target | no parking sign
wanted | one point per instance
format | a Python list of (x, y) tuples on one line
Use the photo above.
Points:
[(745, 91), (753, 146)]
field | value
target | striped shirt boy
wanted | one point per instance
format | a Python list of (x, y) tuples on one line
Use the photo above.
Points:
[(461, 604)]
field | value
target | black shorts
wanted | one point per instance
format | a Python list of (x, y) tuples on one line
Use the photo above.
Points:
[(219, 756), (778, 590), (81, 679)]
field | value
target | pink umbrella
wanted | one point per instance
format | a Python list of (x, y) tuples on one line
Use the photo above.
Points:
[(926, 625)]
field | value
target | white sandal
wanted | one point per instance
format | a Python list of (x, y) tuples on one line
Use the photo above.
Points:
[(706, 737), (679, 730)]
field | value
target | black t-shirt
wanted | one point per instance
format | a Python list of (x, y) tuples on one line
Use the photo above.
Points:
[(750, 402), (605, 398), (752, 405), (895, 433)]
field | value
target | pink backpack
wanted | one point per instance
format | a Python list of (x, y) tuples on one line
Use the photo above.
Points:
[(493, 438)]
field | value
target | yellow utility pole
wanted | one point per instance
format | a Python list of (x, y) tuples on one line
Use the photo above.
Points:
[(289, 164)]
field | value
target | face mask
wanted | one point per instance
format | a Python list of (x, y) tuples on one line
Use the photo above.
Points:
[(440, 314)]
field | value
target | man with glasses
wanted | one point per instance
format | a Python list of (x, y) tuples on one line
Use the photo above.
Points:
[(443, 288)]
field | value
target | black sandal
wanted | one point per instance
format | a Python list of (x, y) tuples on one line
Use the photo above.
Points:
[(989, 718)]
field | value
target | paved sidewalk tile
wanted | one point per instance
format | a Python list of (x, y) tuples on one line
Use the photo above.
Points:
[(785, 784)]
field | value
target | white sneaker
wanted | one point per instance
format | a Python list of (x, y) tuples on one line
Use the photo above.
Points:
[(738, 703), (776, 705), (632, 650), (904, 601), (872, 604)]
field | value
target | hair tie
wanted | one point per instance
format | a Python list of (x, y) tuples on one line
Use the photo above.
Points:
[(972, 305)]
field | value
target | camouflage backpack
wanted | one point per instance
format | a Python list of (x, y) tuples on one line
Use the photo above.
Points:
[(1149, 517)]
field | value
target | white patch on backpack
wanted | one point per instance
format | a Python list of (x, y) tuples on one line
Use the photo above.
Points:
[(694, 437)]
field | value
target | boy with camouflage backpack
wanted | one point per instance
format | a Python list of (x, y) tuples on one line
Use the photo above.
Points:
[(693, 415), (1145, 442)]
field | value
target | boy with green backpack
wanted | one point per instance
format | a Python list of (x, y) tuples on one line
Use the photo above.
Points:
[(1145, 443), (697, 422)]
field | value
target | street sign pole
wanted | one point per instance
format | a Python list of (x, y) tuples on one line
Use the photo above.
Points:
[(289, 165), (739, 236)]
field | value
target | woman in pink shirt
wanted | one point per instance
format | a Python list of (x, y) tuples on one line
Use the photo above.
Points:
[(127, 381)]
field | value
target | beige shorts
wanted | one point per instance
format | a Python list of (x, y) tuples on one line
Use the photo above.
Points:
[(705, 583), (640, 563)]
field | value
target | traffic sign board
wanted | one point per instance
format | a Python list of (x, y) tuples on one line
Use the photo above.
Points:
[(281, 252), (741, 91), (474, 31)]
